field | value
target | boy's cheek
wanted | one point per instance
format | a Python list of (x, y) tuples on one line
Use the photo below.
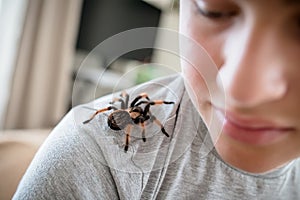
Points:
[(196, 84)]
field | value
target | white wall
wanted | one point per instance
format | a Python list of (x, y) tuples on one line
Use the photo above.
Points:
[(12, 14), (169, 20)]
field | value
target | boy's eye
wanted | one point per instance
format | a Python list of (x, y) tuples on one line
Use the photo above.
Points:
[(214, 14), (215, 11)]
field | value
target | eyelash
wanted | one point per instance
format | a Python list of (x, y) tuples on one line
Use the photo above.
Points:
[(211, 14), (215, 15)]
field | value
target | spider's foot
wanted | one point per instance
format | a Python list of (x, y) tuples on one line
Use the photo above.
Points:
[(164, 132), (143, 133), (169, 102), (87, 121), (126, 148)]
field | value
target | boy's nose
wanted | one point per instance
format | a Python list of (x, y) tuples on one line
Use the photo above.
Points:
[(253, 72)]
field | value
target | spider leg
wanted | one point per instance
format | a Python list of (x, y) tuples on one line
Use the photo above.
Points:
[(142, 95), (99, 111), (126, 97), (120, 100), (141, 102), (128, 130), (143, 131), (141, 121), (156, 102), (89, 108), (153, 118)]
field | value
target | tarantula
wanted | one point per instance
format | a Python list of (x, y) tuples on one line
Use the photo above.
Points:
[(131, 114)]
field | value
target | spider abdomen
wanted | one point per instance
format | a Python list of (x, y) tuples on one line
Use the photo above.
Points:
[(119, 119)]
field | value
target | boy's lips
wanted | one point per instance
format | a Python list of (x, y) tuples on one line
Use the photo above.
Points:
[(252, 130)]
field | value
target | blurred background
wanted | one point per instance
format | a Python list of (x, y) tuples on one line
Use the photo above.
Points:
[(43, 45)]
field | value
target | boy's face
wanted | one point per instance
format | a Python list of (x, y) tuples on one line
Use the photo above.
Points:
[(255, 46)]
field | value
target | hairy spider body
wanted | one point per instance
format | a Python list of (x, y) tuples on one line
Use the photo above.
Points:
[(128, 115), (119, 119)]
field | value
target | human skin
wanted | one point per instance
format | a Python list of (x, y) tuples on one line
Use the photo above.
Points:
[(255, 46)]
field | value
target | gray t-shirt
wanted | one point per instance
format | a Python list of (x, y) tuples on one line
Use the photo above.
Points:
[(87, 161)]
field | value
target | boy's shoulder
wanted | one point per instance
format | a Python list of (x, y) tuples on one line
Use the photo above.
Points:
[(169, 89)]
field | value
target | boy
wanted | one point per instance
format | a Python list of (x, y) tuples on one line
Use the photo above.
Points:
[(253, 94)]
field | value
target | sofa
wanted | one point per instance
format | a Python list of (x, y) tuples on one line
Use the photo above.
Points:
[(17, 148)]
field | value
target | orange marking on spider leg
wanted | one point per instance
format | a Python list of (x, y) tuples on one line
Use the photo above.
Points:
[(96, 113), (158, 102), (114, 100), (124, 94), (162, 102), (144, 95)]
